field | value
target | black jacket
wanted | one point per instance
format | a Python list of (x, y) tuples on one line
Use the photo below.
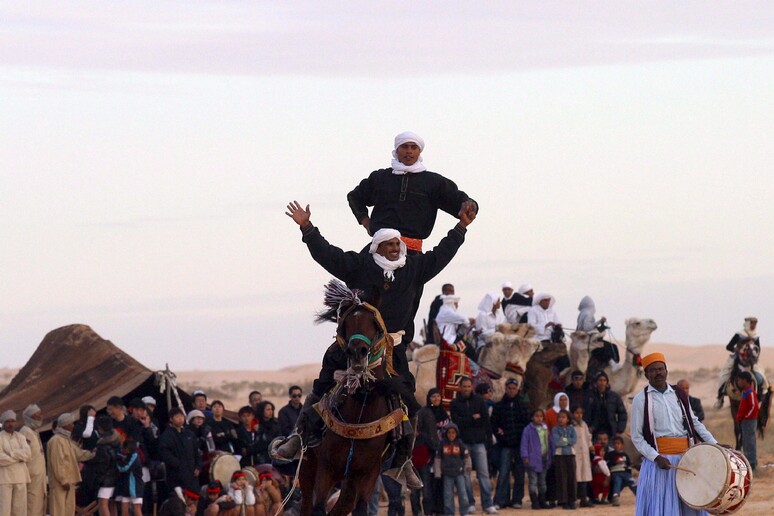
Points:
[(179, 451), (267, 431), (510, 415), (472, 430), (606, 412), (248, 447), (223, 434), (287, 418), (408, 202), (359, 270)]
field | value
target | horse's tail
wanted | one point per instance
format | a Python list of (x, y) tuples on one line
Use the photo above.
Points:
[(763, 413)]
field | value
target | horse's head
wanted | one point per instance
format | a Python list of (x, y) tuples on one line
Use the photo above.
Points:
[(363, 334), (360, 331), (748, 352)]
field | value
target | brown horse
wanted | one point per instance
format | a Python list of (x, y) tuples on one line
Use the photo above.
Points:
[(357, 412)]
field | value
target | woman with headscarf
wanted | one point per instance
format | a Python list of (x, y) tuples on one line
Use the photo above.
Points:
[(489, 316), (561, 402), (542, 316)]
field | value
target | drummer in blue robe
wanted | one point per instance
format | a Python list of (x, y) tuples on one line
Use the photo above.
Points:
[(663, 428)]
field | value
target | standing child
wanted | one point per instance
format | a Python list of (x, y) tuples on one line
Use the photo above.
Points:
[(747, 416), (130, 485), (620, 470), (451, 462), (600, 474), (564, 438), (537, 451), (242, 494), (583, 450)]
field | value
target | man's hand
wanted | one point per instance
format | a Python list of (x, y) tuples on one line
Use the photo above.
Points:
[(366, 223), (467, 213), (299, 215), (663, 462)]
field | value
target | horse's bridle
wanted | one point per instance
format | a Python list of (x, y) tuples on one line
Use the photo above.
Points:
[(380, 347)]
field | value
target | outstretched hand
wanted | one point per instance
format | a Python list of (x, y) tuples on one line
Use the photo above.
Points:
[(298, 214), (467, 213)]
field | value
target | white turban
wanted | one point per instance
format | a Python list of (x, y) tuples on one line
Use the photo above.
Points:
[(7, 415), (148, 400), (383, 235), (31, 410), (65, 419), (409, 137), (523, 289), (399, 168), (507, 284)]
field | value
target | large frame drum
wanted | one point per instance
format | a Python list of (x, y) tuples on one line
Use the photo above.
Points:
[(714, 479), (219, 465)]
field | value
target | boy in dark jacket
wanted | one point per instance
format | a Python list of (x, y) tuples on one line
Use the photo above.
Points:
[(179, 451), (620, 467), (451, 463), (104, 463)]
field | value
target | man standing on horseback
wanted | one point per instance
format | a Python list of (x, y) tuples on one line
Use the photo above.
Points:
[(384, 269)]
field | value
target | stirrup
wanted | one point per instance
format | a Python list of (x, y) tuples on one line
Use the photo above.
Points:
[(286, 449), (405, 475)]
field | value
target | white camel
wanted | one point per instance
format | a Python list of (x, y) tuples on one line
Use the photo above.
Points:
[(623, 378), (581, 346)]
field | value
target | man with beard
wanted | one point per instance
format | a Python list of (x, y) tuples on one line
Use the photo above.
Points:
[(663, 428), (384, 268), (14, 476), (38, 486)]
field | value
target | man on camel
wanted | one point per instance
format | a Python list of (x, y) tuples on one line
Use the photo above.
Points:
[(385, 269)]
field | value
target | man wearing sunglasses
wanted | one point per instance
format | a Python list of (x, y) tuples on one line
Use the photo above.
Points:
[(289, 413)]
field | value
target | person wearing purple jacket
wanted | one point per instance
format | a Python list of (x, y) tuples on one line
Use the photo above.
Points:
[(537, 450)]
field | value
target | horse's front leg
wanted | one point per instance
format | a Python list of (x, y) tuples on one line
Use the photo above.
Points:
[(354, 490)]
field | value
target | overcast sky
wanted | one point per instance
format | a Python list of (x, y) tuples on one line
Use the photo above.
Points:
[(616, 149)]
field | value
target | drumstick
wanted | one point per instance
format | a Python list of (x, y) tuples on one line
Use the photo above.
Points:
[(683, 469)]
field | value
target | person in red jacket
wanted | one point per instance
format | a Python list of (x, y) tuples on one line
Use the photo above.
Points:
[(747, 416)]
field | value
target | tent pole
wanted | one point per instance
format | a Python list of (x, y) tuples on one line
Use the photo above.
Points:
[(169, 391)]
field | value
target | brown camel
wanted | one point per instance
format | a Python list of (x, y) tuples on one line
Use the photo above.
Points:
[(538, 374)]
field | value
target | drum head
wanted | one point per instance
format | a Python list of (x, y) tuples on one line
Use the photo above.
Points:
[(251, 474), (222, 467), (710, 466)]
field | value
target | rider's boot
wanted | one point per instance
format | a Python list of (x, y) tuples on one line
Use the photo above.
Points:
[(306, 434), (403, 470)]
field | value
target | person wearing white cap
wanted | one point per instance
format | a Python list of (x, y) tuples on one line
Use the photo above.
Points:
[(542, 316), (489, 316), (63, 472), (382, 269), (14, 476), (406, 196), (38, 486)]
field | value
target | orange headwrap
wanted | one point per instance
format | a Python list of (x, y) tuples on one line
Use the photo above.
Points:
[(653, 357)]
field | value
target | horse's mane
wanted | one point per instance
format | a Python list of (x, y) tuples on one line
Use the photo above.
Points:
[(338, 297)]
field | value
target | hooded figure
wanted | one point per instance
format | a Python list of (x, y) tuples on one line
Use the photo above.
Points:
[(543, 319), (37, 489), (489, 316), (586, 321), (449, 319)]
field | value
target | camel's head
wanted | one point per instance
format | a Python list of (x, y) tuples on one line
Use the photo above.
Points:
[(493, 353), (638, 332)]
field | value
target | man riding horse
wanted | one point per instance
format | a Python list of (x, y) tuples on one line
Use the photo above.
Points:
[(384, 268), (745, 348)]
